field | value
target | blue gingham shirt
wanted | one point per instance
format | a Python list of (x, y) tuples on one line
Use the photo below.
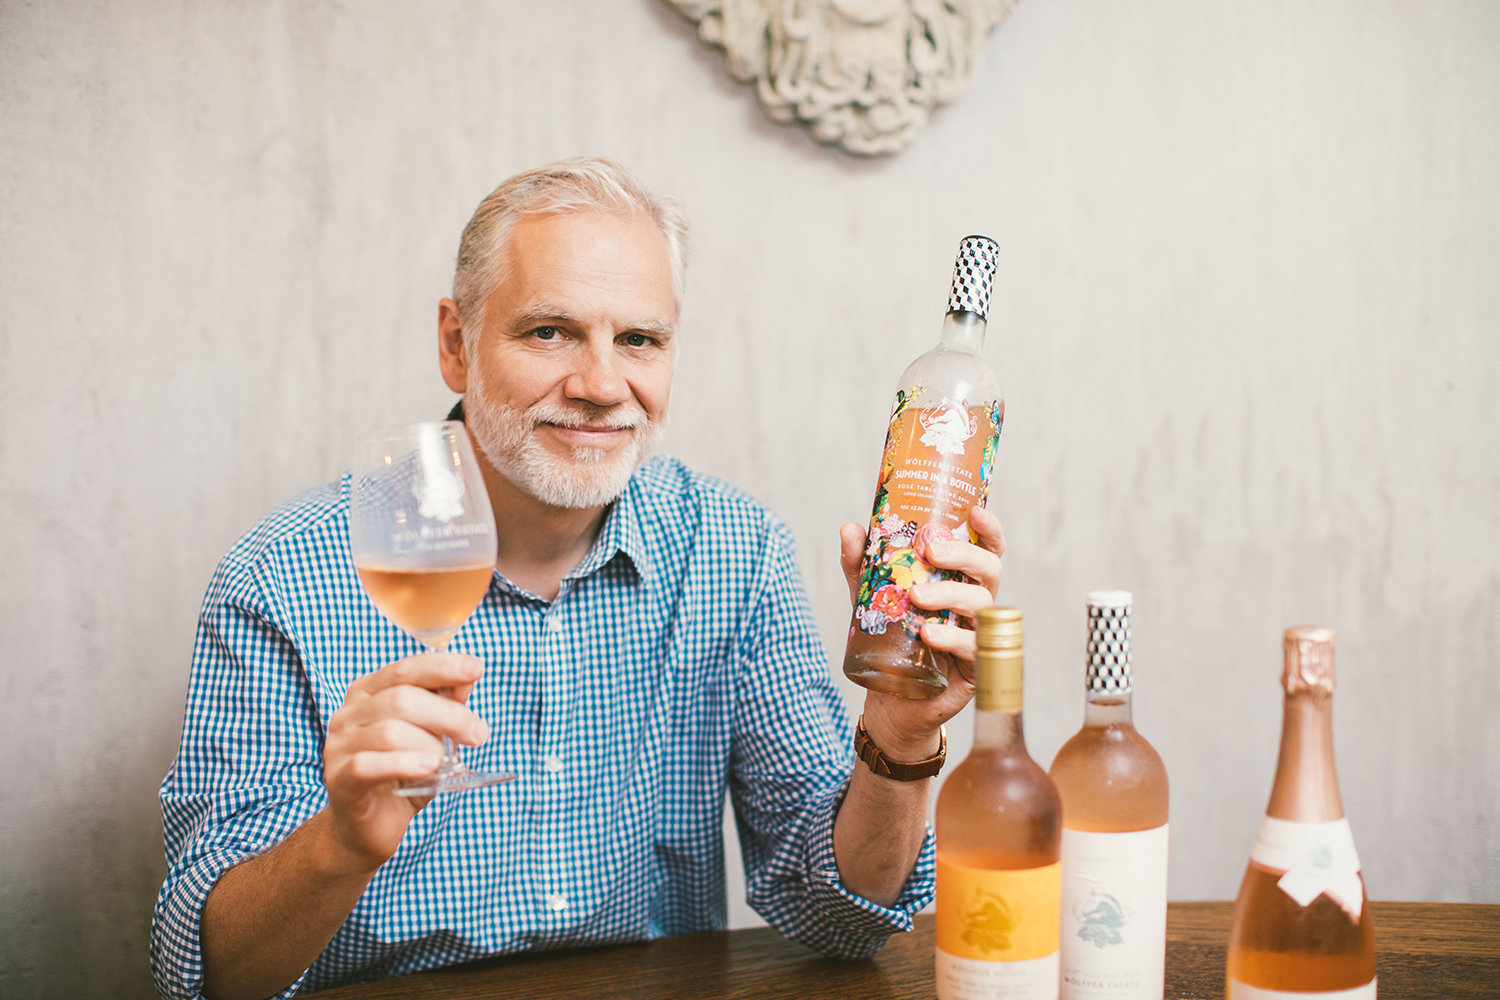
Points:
[(679, 659)]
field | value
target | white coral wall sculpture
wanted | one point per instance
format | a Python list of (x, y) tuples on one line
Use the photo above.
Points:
[(864, 74)]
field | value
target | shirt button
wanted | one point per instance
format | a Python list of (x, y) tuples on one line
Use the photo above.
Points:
[(553, 763), (557, 903), (554, 624)]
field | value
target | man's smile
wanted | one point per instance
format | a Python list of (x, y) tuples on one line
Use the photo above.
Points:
[(590, 435), (597, 428)]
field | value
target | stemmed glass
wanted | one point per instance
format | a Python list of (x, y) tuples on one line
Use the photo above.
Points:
[(423, 539)]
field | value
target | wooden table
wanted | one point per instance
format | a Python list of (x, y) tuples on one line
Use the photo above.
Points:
[(1439, 950)]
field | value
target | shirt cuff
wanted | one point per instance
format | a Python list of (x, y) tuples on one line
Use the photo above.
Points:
[(857, 912), (176, 943), (857, 927)]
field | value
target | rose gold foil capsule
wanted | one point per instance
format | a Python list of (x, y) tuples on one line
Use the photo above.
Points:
[(1308, 664)]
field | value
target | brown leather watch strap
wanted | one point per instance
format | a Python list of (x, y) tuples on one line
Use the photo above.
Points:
[(866, 750)]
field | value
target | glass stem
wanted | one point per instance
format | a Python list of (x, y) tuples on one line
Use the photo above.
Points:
[(451, 761)]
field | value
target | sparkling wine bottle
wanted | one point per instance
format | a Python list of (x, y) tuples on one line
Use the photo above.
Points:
[(1114, 842), (939, 455), (999, 827), (1302, 925)]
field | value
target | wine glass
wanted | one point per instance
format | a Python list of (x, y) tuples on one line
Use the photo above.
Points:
[(423, 540)]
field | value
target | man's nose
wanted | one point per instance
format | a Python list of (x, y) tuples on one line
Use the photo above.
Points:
[(597, 377)]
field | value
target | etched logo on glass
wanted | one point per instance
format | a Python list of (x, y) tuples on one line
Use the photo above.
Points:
[(439, 494)]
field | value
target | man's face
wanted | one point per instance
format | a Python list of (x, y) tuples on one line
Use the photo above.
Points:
[(568, 385)]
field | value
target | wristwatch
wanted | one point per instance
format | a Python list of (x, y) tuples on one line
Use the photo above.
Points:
[(866, 750)]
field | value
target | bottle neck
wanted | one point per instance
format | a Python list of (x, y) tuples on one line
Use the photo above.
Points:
[(963, 331), (1306, 789), (998, 680), (1107, 710), (994, 730)]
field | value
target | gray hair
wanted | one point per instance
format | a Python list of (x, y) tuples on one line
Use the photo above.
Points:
[(585, 183)]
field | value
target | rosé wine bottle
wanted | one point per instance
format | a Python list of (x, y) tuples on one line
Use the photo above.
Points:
[(938, 459), (1114, 841), (999, 828), (1302, 925)]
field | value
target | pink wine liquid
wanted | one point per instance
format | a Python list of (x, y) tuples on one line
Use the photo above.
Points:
[(1111, 780), (997, 810), (1277, 945), (430, 604)]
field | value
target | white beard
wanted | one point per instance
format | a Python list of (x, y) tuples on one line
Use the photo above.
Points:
[(588, 478)]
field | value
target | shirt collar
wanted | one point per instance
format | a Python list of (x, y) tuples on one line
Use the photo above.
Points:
[(621, 535)]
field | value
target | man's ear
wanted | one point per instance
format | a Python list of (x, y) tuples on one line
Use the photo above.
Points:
[(451, 357)]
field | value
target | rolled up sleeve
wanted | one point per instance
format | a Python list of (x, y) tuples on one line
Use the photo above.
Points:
[(790, 764), (248, 769)]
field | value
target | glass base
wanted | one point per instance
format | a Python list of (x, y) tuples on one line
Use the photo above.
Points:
[(899, 683), (894, 663), (460, 779)]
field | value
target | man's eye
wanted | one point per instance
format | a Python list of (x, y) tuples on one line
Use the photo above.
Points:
[(545, 332), (637, 339)]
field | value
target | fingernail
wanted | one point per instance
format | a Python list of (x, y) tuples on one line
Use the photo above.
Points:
[(479, 732)]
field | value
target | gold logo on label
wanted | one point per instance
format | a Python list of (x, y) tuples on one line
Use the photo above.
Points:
[(988, 922)]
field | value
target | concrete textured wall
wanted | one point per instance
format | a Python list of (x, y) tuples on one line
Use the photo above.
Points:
[(1248, 319)]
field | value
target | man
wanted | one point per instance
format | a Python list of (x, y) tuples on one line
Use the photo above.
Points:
[(645, 644)]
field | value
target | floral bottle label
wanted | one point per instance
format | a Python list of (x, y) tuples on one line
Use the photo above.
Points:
[(937, 464)]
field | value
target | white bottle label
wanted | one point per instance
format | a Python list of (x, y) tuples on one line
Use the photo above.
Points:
[(1313, 859), (973, 979), (1239, 991), (1114, 915)]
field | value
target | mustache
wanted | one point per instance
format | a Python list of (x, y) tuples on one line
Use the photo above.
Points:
[(619, 417)]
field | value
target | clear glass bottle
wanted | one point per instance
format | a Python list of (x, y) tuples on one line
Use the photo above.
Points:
[(938, 459), (1114, 843), (999, 829), (1301, 923)]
